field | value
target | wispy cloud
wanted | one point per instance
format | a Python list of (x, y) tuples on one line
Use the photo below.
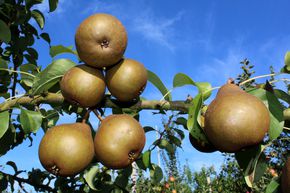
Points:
[(157, 30)]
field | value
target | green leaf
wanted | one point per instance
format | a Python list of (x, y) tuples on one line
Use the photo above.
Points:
[(174, 140), (180, 133), (89, 176), (155, 80), (4, 117), (5, 33), (204, 88), (148, 128), (156, 174), (26, 79), (46, 37), (276, 111), (30, 121), (164, 144), (146, 158), (51, 75), (4, 125), (193, 111), (60, 49), (282, 95), (272, 186), (260, 167), (248, 161), (52, 5), (30, 3), (3, 182), (122, 179), (287, 60), (181, 121), (39, 17), (7, 140)]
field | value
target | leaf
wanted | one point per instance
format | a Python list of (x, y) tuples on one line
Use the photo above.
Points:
[(282, 95), (164, 144), (276, 111), (51, 75), (122, 179), (46, 37), (287, 60), (3, 183), (60, 49), (4, 125), (39, 17), (181, 121), (193, 111), (5, 33), (180, 133), (30, 121), (148, 128), (272, 186), (30, 3), (13, 165), (174, 140), (52, 5), (90, 175), (156, 174), (155, 80), (26, 79), (146, 159), (248, 161), (204, 88)]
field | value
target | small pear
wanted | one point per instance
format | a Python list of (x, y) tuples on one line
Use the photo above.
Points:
[(235, 119), (66, 150), (119, 141), (285, 178)]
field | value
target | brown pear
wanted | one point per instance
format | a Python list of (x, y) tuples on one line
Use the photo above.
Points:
[(202, 146), (235, 119), (101, 40), (285, 178), (119, 141), (126, 80), (83, 85), (67, 149)]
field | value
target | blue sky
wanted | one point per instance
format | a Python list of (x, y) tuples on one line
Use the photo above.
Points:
[(204, 39)]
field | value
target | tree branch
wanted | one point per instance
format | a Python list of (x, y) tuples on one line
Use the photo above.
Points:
[(57, 99), (27, 181)]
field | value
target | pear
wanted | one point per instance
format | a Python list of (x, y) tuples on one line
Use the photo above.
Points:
[(83, 85), (235, 119), (285, 178), (67, 149), (126, 80), (119, 141)]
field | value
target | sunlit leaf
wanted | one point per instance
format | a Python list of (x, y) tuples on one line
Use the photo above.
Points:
[(204, 88), (30, 121), (60, 49), (5, 33), (155, 80), (51, 75), (4, 124), (90, 175), (272, 186), (146, 158), (39, 17), (282, 95)]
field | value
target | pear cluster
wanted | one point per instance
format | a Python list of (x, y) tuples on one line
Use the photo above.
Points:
[(67, 149)]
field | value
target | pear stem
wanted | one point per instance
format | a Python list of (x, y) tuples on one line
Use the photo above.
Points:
[(257, 77), (86, 116), (98, 115)]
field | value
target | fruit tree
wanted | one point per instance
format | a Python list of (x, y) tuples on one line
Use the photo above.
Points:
[(244, 118)]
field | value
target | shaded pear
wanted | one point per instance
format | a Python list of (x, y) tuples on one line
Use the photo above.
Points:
[(101, 40), (236, 119), (67, 149), (83, 85), (119, 141), (285, 178), (126, 80), (200, 145)]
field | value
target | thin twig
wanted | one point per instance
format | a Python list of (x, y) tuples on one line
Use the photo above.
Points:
[(257, 77), (17, 71), (98, 115)]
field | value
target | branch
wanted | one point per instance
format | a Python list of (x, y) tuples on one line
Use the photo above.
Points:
[(57, 99), (27, 181)]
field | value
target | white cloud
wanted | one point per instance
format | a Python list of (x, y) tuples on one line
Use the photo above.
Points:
[(158, 30)]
